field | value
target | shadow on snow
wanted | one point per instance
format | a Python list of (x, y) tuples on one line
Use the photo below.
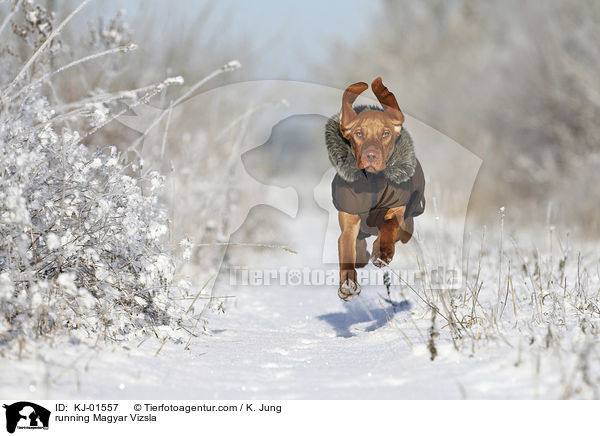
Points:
[(356, 313)]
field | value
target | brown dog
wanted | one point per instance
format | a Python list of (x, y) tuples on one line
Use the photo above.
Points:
[(379, 184)]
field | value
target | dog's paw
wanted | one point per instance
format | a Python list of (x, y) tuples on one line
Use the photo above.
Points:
[(379, 263), (348, 290), (382, 254)]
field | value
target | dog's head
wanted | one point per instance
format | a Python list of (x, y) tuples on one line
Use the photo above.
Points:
[(372, 133)]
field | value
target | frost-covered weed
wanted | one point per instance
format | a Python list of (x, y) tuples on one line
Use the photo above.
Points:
[(82, 238), (542, 302)]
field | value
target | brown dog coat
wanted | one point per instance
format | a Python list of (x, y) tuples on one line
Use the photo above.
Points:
[(371, 195)]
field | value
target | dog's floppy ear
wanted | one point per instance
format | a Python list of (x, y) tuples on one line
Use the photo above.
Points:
[(348, 114), (388, 101)]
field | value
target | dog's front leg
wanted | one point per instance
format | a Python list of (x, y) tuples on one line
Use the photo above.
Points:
[(350, 226), (393, 229)]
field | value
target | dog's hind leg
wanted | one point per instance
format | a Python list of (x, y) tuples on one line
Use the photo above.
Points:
[(362, 254)]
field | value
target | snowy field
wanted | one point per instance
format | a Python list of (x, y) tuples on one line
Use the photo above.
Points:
[(302, 342)]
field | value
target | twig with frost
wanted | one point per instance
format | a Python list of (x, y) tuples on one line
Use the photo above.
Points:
[(432, 335), (199, 293), (151, 91), (122, 49), (42, 47), (9, 15), (428, 303), (246, 244), (247, 114), (109, 97), (166, 133), (169, 81), (230, 66)]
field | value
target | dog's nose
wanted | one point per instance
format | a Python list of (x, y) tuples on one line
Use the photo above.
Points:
[(371, 155)]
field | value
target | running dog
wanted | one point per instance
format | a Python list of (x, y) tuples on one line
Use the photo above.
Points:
[(379, 186)]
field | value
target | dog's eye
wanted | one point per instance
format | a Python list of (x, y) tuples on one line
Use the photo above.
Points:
[(385, 134), (358, 133)]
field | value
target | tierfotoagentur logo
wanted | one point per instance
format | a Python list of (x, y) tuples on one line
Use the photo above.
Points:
[(26, 415), (437, 278)]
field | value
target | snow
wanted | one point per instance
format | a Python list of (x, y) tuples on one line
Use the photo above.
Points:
[(278, 344), (232, 65), (294, 342), (52, 241), (177, 80)]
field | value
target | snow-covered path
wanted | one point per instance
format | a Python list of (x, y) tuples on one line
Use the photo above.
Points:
[(305, 343), (278, 343)]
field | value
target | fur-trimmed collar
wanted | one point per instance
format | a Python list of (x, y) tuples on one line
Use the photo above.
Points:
[(400, 166)]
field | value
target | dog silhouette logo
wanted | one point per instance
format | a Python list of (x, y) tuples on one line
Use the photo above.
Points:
[(26, 415)]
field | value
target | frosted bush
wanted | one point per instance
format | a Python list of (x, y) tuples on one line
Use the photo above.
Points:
[(78, 234), (82, 239)]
